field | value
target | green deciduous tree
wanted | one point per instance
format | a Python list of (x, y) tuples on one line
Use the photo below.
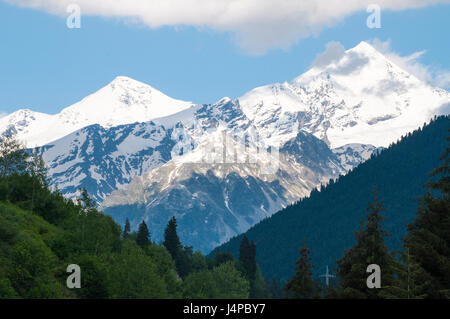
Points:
[(222, 282), (134, 275), (230, 282), (13, 157)]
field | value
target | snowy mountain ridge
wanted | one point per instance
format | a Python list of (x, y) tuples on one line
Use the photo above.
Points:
[(361, 97), (123, 101)]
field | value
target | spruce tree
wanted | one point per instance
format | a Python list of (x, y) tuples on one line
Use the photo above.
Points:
[(143, 235), (85, 201), (302, 285), (247, 260), (181, 255), (369, 249), (126, 229), (411, 280), (171, 239), (428, 240)]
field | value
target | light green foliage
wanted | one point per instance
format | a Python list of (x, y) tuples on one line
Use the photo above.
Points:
[(222, 282), (166, 269), (135, 275), (26, 260), (231, 284), (198, 262), (200, 285)]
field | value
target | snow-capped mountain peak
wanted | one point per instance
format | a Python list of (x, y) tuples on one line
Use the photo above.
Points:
[(355, 96), (365, 48), (18, 123), (123, 101)]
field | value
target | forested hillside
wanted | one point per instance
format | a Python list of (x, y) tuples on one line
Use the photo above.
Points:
[(328, 218), (42, 233)]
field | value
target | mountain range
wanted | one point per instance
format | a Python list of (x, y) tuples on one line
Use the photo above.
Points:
[(144, 155)]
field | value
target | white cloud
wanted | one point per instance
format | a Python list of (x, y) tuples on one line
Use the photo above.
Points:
[(258, 25), (333, 55), (432, 75), (3, 114), (334, 52)]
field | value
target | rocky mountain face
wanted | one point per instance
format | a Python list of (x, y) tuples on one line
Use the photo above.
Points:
[(103, 160), (215, 199)]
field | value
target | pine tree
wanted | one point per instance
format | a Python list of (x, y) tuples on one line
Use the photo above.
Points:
[(410, 281), (428, 240), (171, 239), (369, 249), (126, 229), (143, 235), (247, 260), (302, 285), (181, 255), (85, 201)]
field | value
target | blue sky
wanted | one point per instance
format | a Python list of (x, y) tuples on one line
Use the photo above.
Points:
[(45, 66)]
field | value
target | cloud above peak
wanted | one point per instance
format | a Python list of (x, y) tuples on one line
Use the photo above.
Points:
[(258, 25), (333, 59), (338, 60)]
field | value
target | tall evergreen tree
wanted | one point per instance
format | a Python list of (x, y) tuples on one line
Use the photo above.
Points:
[(369, 249), (126, 229), (171, 240), (411, 280), (302, 285), (181, 255), (428, 240), (247, 260), (143, 235), (86, 201)]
